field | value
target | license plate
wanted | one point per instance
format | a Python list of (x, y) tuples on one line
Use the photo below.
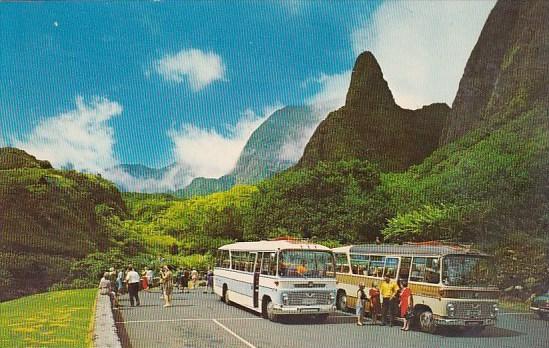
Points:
[(473, 314), (473, 323), (309, 301)]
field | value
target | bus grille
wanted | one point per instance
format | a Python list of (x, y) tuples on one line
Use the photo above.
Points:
[(309, 298), (473, 310)]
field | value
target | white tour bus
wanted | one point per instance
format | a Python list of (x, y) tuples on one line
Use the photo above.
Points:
[(277, 277), (452, 286)]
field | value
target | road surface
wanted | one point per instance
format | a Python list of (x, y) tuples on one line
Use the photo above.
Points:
[(201, 320)]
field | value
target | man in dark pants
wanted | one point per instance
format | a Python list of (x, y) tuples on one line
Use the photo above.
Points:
[(133, 278), (388, 291)]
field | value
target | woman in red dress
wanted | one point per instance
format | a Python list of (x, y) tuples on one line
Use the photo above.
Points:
[(406, 305)]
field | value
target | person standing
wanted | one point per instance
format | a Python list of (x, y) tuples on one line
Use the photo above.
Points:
[(120, 282), (132, 279), (107, 288), (185, 281), (360, 304), (149, 273), (167, 282), (209, 282), (144, 280), (406, 305), (194, 278), (375, 303), (388, 291)]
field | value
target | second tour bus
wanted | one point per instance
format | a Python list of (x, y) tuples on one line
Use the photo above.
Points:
[(452, 286), (282, 277)]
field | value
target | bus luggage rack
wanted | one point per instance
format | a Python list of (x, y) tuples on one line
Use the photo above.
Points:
[(308, 298)]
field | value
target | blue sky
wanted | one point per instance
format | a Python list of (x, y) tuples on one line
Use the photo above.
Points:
[(93, 84)]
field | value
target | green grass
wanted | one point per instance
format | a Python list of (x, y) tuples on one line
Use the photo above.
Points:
[(53, 319)]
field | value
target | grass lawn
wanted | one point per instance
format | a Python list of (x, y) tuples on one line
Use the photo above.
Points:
[(53, 319), (514, 305)]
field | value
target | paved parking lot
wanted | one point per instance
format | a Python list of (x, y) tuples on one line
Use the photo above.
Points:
[(201, 320)]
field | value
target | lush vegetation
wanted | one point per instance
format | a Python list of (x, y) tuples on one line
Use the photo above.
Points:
[(55, 319)]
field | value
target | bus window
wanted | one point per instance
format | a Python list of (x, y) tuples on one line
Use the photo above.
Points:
[(223, 259), (432, 270), (360, 263), (376, 266), (418, 269), (342, 264), (268, 264), (391, 265), (425, 269)]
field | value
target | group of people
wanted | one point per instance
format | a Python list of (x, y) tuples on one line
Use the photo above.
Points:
[(115, 283), (385, 300)]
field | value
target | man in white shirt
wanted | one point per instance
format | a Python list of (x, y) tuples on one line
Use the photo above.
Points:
[(133, 278)]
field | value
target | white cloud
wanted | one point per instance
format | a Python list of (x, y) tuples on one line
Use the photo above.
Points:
[(209, 153), (293, 148), (423, 46), (174, 178), (79, 138), (332, 92), (197, 67)]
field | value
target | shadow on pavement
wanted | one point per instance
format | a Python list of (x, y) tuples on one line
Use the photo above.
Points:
[(488, 332)]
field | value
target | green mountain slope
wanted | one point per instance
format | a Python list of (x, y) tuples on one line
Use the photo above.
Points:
[(273, 147), (370, 126), (48, 217)]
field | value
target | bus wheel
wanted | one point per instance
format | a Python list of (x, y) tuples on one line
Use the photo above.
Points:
[(268, 310), (341, 301), (226, 295), (427, 322)]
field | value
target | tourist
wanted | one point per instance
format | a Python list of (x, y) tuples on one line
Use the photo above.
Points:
[(167, 284), (375, 303), (406, 305), (106, 288), (360, 304), (144, 280), (388, 291), (132, 279), (185, 281), (120, 282), (209, 281), (149, 273), (194, 278)]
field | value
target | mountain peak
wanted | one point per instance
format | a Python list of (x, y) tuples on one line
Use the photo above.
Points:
[(368, 89)]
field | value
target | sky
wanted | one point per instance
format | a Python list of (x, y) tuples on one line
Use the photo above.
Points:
[(90, 85)]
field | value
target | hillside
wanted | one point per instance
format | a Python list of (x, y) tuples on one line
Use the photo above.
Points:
[(273, 147), (371, 126), (48, 218)]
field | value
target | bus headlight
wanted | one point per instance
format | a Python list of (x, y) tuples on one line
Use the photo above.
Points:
[(451, 309), (285, 299), (495, 310)]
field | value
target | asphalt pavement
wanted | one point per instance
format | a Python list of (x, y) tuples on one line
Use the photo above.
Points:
[(201, 320)]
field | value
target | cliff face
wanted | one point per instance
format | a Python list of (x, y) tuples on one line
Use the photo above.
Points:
[(371, 126), (508, 69)]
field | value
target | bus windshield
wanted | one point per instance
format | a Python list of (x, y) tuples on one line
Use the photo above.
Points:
[(466, 270), (306, 263)]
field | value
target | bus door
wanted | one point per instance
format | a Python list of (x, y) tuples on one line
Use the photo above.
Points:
[(404, 270), (257, 270)]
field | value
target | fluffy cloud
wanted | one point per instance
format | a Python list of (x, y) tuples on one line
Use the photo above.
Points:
[(423, 46), (197, 67), (79, 138), (207, 152), (172, 179), (332, 92)]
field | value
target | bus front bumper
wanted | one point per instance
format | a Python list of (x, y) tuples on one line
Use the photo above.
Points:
[(319, 309), (440, 321)]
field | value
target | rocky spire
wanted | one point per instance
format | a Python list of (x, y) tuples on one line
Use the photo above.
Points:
[(368, 89)]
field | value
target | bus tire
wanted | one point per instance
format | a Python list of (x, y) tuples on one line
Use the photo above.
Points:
[(268, 310), (341, 300), (226, 295), (426, 321)]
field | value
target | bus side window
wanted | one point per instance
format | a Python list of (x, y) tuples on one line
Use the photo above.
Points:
[(432, 270), (418, 269), (376, 266), (268, 264)]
